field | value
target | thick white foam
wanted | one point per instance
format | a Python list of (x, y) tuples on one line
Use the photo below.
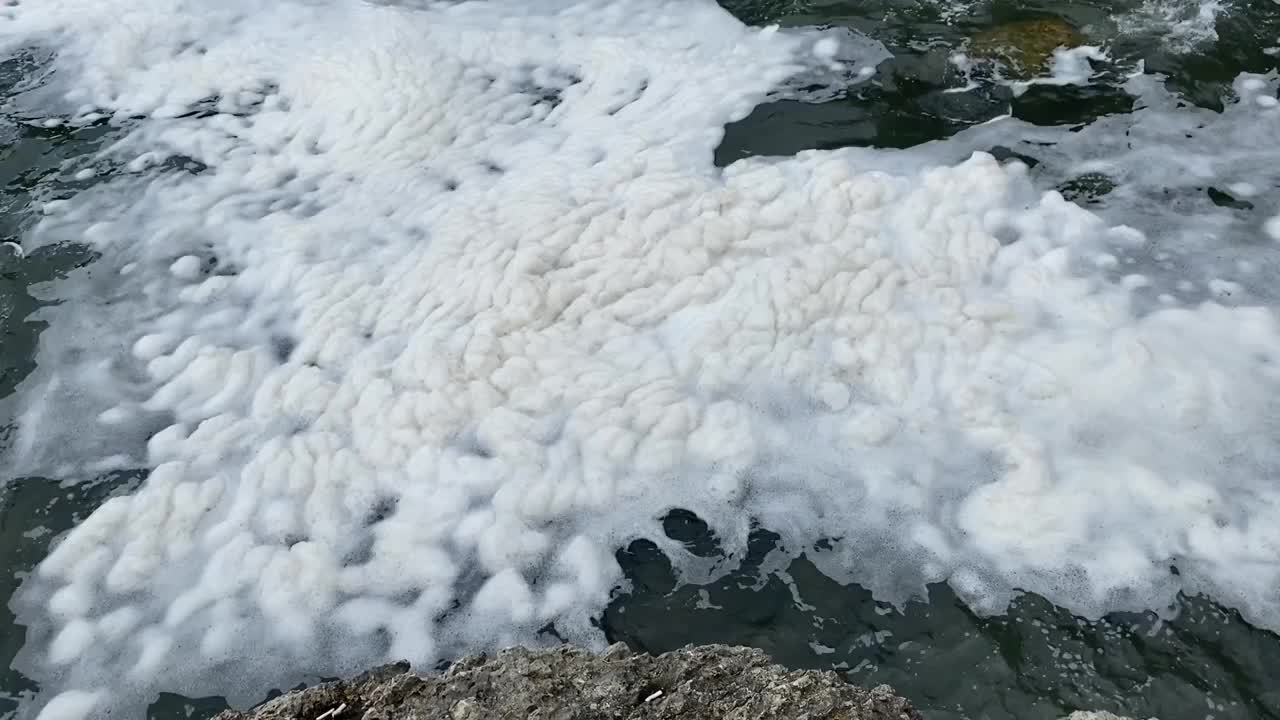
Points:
[(483, 309)]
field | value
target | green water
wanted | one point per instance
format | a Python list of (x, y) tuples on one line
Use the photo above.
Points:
[(1036, 661)]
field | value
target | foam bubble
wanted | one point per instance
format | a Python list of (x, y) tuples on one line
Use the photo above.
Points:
[(483, 309), (1272, 228), (1067, 66), (71, 705)]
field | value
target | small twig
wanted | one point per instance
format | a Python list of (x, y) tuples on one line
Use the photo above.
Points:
[(656, 694)]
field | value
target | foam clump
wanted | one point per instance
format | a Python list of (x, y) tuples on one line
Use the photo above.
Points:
[(71, 705), (485, 309)]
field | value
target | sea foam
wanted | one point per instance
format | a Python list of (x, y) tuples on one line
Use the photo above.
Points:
[(426, 308)]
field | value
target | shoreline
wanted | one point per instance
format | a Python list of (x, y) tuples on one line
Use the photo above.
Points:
[(710, 682)]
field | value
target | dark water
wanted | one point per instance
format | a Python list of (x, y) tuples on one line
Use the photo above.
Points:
[(1035, 661), (907, 103)]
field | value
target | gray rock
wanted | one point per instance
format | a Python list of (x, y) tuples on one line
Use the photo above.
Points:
[(566, 683)]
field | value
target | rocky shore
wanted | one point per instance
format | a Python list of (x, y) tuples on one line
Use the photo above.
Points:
[(713, 682)]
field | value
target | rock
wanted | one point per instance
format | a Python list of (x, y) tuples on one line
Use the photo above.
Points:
[(567, 683), (1025, 46)]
